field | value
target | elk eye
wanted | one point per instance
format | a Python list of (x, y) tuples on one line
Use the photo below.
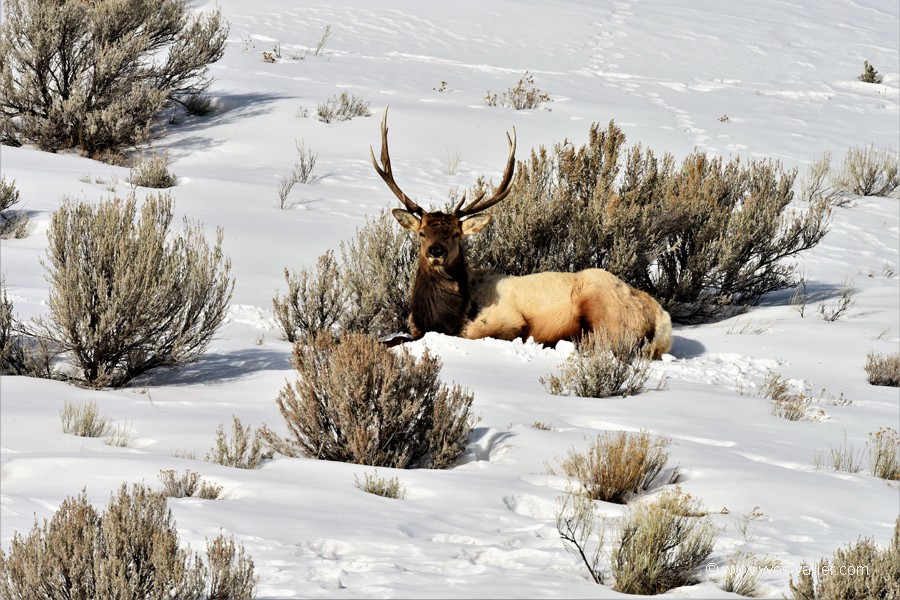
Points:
[(421, 235)]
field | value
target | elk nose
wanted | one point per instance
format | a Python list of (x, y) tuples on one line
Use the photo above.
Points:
[(436, 251)]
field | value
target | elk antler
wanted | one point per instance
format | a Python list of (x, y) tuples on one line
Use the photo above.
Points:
[(479, 204), (387, 174)]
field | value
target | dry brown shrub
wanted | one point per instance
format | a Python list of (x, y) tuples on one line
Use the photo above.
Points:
[(381, 486), (617, 465), (315, 300), (357, 401), (883, 369), (343, 108), (883, 452), (153, 172), (784, 402), (83, 420), (523, 96), (868, 171)]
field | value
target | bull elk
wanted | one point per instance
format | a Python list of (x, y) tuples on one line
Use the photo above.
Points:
[(450, 297)]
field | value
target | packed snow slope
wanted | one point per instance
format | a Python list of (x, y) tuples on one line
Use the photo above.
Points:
[(771, 79)]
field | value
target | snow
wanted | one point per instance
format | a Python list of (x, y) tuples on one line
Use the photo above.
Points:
[(785, 76)]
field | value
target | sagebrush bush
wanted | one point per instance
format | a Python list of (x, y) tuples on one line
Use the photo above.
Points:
[(9, 194), (617, 465), (367, 291), (702, 238), (378, 267), (883, 452), (231, 573), (12, 223), (95, 75), (883, 369), (655, 546), (343, 108), (130, 551), (869, 74), (125, 295), (660, 546), (601, 367), (868, 171), (188, 484), (357, 401), (862, 570), (153, 172), (316, 300), (380, 486), (523, 96), (239, 451)]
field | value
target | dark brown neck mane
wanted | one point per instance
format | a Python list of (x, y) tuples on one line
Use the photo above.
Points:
[(439, 297)]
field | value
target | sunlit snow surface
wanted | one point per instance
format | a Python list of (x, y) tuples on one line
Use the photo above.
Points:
[(768, 79)]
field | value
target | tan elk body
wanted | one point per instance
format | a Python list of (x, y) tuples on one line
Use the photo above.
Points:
[(450, 297)]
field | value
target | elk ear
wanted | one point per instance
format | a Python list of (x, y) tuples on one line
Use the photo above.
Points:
[(407, 219), (475, 223)]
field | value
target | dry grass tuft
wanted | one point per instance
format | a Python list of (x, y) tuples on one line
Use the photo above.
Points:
[(617, 465), (153, 172), (239, 451), (380, 486), (785, 403), (188, 484), (83, 420), (883, 452), (883, 369)]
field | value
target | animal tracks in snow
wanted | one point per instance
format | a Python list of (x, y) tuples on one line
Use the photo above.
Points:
[(731, 369)]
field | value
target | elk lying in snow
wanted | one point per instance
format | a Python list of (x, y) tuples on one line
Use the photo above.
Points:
[(449, 297)]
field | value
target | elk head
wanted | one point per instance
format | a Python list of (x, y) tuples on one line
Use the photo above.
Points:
[(440, 233)]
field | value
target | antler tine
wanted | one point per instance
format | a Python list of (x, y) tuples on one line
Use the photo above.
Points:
[(387, 174), (502, 191), (461, 202)]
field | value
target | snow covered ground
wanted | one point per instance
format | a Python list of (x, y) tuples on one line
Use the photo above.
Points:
[(767, 79)]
